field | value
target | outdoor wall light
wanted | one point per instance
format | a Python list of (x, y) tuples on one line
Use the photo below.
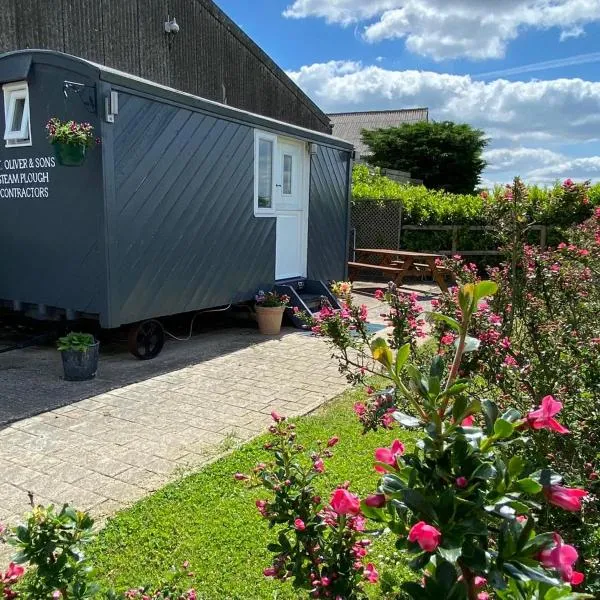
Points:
[(171, 26), (313, 148)]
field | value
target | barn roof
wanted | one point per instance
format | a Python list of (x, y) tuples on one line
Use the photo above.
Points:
[(349, 125)]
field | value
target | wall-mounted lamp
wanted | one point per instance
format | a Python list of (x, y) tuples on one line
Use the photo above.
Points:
[(313, 148), (111, 106), (171, 25)]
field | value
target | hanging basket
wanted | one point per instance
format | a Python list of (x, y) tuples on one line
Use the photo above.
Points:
[(70, 155)]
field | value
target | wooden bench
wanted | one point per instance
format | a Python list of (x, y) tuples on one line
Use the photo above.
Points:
[(354, 267)]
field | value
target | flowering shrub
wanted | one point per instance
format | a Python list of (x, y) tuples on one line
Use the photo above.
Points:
[(319, 544), (271, 299), (70, 133), (51, 543), (465, 502)]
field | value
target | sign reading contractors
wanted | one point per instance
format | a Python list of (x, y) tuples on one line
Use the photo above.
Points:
[(25, 177)]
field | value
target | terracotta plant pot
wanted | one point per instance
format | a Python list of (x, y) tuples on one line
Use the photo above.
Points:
[(269, 319), (70, 155)]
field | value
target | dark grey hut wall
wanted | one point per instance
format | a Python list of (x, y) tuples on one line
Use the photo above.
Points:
[(182, 231), (211, 57), (328, 214), (52, 248)]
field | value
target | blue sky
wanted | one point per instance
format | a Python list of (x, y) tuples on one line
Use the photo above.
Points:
[(525, 71)]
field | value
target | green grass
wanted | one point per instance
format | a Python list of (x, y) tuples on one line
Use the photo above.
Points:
[(212, 521)]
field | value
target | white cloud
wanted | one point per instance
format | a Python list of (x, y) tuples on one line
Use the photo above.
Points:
[(443, 29), (543, 111), (521, 159), (575, 168), (526, 121)]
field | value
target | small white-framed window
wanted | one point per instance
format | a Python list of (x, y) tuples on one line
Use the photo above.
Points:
[(17, 124), (265, 153)]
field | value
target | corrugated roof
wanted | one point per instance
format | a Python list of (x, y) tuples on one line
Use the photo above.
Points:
[(349, 126)]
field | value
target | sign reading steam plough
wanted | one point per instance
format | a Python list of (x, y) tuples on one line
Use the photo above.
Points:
[(25, 177)]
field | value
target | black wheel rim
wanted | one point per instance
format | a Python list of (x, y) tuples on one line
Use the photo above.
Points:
[(149, 339)]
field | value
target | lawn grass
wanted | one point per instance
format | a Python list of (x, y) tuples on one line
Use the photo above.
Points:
[(211, 520)]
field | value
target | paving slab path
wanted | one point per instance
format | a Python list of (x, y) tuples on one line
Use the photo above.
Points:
[(109, 450)]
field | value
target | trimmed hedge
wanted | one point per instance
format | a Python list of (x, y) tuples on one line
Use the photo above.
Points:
[(433, 207)]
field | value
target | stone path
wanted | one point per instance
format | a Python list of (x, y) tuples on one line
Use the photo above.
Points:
[(107, 451)]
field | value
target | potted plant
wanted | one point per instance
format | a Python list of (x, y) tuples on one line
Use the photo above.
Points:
[(269, 311), (79, 356), (70, 140)]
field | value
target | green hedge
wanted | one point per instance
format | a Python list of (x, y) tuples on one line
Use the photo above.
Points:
[(434, 207)]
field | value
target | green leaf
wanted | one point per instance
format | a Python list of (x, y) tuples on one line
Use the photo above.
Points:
[(415, 591), (503, 429), (484, 289), (450, 554), (511, 415), (406, 420), (564, 593), (529, 486), (471, 344), (515, 466), (437, 367), (418, 503), (484, 471), (453, 323), (547, 477), (522, 572), (401, 357), (490, 413), (391, 484), (466, 297), (381, 352)]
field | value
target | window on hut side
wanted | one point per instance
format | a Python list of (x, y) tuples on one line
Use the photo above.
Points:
[(17, 129), (264, 163)]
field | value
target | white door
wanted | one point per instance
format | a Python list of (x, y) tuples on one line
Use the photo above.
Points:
[(291, 208)]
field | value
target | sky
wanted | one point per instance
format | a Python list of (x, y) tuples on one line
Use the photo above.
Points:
[(527, 72)]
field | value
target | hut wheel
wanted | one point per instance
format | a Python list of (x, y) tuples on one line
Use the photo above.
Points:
[(146, 339)]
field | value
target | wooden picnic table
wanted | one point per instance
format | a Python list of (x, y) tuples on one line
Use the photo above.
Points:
[(403, 263)]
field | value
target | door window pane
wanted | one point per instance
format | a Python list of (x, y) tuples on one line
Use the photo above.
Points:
[(287, 174), (265, 173)]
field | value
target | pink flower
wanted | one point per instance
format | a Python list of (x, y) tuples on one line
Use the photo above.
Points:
[(379, 294), (462, 482), (427, 536), (12, 574), (565, 498), (479, 581), (510, 361), (561, 558), (542, 418), (483, 596), (270, 572), (468, 421), (277, 417), (447, 339), (371, 574), (364, 313), (319, 465), (240, 477), (345, 503), (359, 409), (389, 456), (568, 183), (375, 501), (333, 441), (299, 525)]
